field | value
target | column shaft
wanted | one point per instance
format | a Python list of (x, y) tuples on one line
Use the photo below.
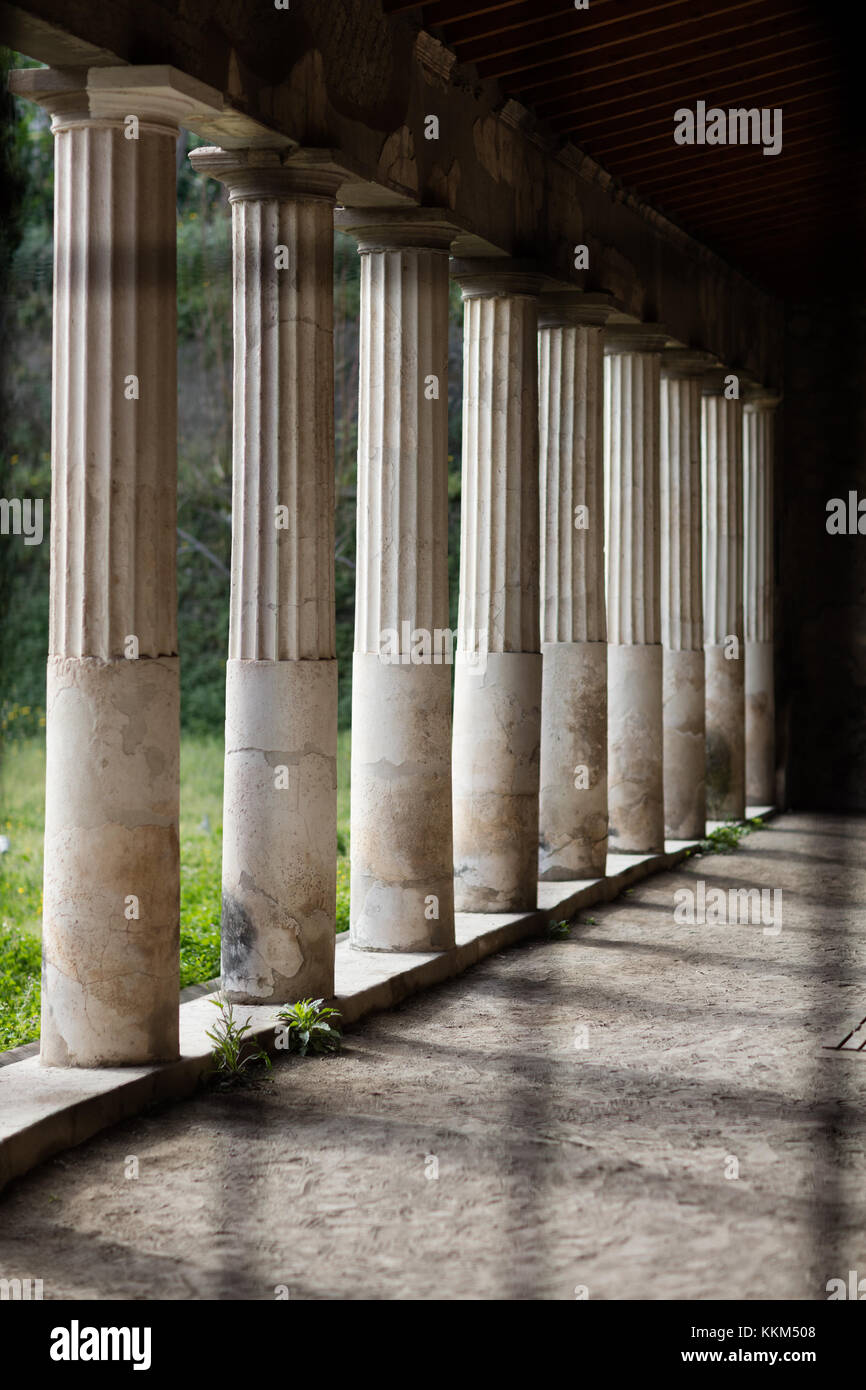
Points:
[(635, 730), (682, 601), (280, 806), (112, 876), (758, 600), (573, 765), (402, 853), (722, 426), (497, 696)]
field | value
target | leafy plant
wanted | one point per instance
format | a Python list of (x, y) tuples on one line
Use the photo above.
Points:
[(726, 838), (233, 1051), (307, 1029), (559, 931)]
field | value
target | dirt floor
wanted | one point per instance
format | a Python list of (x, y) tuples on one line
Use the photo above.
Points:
[(469, 1145)]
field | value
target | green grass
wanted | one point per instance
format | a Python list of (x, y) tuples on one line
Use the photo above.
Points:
[(201, 785)]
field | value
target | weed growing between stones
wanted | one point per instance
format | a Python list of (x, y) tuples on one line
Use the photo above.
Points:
[(559, 931), (232, 1050), (304, 1028), (726, 838)]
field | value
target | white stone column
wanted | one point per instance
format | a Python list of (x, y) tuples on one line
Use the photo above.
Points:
[(573, 781), (112, 877), (497, 688), (280, 797), (681, 594), (402, 853), (722, 469), (632, 502), (758, 453)]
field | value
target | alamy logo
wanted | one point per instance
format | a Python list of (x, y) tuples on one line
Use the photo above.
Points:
[(837, 1289), (76, 1343), (704, 906), (846, 518), (441, 647), (737, 126), (22, 1289), (22, 518)]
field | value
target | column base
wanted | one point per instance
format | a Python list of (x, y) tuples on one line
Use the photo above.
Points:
[(726, 735), (573, 780), (760, 725), (111, 916), (279, 831), (684, 695), (402, 858), (635, 749), (497, 729)]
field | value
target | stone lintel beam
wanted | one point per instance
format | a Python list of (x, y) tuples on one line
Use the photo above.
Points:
[(367, 89)]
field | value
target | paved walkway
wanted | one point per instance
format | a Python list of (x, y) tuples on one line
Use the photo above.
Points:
[(557, 1166)]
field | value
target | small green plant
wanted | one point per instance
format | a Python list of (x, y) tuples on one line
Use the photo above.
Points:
[(307, 1029), (726, 838), (559, 931), (233, 1051)]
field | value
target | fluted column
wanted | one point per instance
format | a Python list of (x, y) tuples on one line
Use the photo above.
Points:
[(573, 779), (497, 688), (111, 876), (632, 499), (681, 594), (402, 861), (722, 468), (758, 428), (280, 799)]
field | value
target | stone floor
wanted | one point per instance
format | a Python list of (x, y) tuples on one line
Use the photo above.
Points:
[(468, 1145)]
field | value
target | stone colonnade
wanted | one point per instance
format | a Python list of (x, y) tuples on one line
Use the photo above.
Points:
[(613, 663)]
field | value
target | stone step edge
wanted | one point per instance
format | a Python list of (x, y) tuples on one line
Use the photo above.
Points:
[(44, 1110)]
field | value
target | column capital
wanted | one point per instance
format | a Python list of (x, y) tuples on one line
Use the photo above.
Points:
[(758, 397), (486, 277), (566, 308), (635, 337), (271, 173), (678, 363), (380, 229), (159, 95)]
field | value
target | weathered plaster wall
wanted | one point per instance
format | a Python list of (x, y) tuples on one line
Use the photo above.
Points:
[(340, 75)]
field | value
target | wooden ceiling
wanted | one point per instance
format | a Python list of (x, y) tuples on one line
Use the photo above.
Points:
[(610, 77)]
